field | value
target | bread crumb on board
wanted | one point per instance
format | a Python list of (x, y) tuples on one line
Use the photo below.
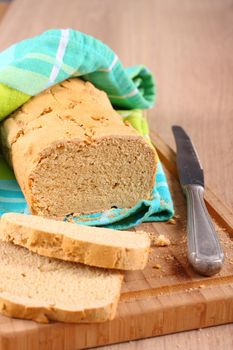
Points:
[(159, 241), (171, 222), (156, 266)]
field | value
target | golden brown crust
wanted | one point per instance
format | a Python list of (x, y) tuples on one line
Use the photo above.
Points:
[(72, 249), (71, 112), (45, 314)]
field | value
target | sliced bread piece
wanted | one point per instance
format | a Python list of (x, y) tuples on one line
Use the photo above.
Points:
[(43, 289), (68, 241)]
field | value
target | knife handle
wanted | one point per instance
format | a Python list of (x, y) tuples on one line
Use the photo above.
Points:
[(204, 251)]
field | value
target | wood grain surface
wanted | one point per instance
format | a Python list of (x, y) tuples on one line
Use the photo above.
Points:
[(188, 46), (3, 8), (166, 297)]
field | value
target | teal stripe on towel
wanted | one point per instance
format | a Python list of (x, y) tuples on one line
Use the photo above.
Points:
[(11, 194)]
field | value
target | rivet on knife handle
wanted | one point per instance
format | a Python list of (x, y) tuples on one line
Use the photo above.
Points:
[(204, 251)]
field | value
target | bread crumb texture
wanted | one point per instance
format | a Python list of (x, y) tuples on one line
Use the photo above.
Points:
[(72, 153), (159, 241), (44, 289), (93, 246)]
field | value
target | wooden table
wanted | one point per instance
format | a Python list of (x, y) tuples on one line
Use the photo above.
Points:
[(188, 46)]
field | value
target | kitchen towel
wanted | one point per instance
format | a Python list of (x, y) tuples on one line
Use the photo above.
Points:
[(32, 65)]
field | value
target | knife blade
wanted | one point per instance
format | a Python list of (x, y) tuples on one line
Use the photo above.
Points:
[(204, 250)]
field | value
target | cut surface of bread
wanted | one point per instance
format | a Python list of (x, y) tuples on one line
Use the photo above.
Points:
[(68, 241), (43, 289), (72, 153)]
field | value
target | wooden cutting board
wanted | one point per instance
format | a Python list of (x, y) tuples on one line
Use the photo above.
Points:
[(168, 296)]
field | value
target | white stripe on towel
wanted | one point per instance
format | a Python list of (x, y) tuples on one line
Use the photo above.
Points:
[(110, 68), (14, 187), (132, 93), (59, 56), (161, 184), (12, 200)]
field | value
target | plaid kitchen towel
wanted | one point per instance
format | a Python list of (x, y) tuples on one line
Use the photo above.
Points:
[(31, 66)]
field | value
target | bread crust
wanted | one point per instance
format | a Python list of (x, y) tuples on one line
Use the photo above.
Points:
[(46, 314), (71, 112), (63, 247)]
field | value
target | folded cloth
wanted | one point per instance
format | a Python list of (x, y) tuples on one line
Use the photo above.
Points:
[(35, 64), (31, 66)]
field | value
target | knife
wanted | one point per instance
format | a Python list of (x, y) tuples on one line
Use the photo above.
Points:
[(204, 251)]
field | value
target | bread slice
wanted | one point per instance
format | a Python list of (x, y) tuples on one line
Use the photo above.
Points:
[(68, 241), (43, 289), (72, 153)]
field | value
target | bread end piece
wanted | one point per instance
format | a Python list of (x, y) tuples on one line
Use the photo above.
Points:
[(88, 137)]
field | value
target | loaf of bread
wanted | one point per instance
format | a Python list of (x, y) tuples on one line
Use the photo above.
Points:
[(72, 153), (43, 289), (67, 241)]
